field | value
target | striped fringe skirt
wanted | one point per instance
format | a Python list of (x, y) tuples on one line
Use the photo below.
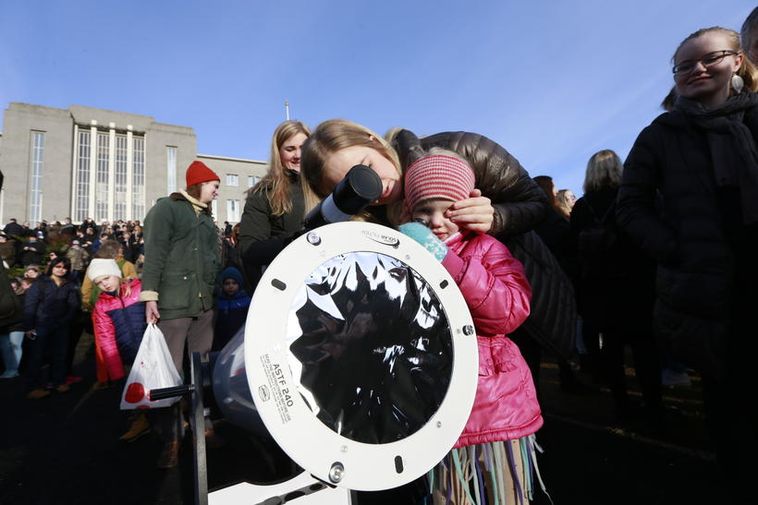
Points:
[(494, 473)]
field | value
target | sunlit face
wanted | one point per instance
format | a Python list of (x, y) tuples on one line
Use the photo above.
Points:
[(231, 287), (338, 164), (289, 152), (108, 283), (707, 85), (209, 191), (432, 214)]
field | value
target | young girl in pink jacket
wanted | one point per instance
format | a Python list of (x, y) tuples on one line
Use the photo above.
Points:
[(118, 319), (493, 460)]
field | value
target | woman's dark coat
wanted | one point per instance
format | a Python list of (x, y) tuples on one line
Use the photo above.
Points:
[(520, 205), (262, 235), (692, 236), (615, 288)]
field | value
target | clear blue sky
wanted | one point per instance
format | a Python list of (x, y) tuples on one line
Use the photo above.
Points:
[(552, 81)]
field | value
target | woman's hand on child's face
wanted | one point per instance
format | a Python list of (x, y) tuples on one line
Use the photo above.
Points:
[(475, 213)]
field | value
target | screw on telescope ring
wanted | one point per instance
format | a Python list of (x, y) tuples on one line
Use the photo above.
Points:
[(336, 472), (313, 238), (468, 330)]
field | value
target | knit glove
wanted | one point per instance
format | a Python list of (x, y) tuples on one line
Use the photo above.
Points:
[(426, 238)]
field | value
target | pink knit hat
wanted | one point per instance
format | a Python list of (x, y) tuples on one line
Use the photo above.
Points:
[(437, 176)]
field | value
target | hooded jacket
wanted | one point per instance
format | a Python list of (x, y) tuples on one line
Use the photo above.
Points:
[(119, 323), (182, 258), (497, 292)]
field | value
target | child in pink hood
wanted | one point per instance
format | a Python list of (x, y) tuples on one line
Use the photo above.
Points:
[(497, 442)]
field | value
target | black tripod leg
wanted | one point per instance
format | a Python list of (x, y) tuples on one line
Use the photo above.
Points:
[(198, 432)]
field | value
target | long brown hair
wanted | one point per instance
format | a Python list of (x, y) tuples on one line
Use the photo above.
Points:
[(328, 138), (275, 183)]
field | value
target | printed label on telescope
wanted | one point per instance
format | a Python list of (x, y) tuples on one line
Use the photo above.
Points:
[(281, 392), (382, 238)]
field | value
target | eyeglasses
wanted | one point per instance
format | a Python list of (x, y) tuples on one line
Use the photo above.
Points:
[(708, 60)]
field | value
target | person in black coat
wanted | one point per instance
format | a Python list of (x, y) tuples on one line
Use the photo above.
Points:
[(615, 289), (701, 160), (50, 307)]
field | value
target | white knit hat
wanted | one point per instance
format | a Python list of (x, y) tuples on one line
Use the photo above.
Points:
[(100, 267)]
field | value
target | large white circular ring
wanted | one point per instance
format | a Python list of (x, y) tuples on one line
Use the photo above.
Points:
[(309, 442)]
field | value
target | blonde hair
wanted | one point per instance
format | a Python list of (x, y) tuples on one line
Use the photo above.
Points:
[(747, 70), (275, 183), (603, 171), (562, 204), (328, 138)]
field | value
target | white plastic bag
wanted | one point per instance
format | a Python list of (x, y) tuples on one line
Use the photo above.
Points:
[(153, 369)]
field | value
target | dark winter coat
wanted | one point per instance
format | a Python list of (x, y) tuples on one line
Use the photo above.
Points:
[(695, 236), (48, 305), (32, 256), (262, 235), (182, 257), (616, 290), (520, 205)]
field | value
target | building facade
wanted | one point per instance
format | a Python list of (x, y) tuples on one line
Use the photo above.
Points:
[(84, 162)]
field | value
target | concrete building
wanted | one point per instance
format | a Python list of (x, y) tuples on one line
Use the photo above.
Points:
[(83, 162)]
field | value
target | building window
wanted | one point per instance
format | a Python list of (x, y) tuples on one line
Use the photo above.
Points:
[(37, 159), (233, 211), (101, 185), (82, 177), (232, 180), (120, 179), (252, 180), (138, 178), (214, 209), (171, 169)]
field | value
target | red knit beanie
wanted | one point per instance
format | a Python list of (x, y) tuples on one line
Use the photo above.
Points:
[(437, 176), (198, 172)]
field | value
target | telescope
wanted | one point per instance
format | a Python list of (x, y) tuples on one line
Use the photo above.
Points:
[(358, 357)]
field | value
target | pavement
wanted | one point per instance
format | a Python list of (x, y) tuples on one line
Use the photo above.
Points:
[(64, 450)]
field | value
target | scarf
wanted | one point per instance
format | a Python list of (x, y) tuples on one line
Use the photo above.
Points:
[(733, 147)]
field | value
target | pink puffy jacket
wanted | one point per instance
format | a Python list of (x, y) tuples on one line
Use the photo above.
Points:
[(497, 292), (105, 332)]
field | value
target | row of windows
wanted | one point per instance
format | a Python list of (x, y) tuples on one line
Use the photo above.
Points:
[(103, 175), (233, 180), (106, 191)]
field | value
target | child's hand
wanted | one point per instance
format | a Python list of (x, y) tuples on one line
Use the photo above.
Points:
[(475, 213), (426, 238)]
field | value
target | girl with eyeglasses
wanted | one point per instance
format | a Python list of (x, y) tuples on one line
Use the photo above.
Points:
[(689, 197), (49, 308)]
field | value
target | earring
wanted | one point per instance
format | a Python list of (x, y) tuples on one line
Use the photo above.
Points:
[(737, 84)]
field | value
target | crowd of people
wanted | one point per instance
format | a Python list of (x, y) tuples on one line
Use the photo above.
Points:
[(657, 254)]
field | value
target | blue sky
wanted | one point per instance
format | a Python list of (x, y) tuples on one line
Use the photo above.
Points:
[(552, 81)]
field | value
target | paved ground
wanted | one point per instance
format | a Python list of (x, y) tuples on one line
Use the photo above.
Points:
[(65, 450)]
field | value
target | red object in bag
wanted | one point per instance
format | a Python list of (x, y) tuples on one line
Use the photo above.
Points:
[(134, 393)]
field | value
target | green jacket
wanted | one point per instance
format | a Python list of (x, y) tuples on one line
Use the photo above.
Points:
[(182, 257)]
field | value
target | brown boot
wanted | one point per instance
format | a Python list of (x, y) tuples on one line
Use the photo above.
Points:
[(139, 427), (37, 394), (169, 457)]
